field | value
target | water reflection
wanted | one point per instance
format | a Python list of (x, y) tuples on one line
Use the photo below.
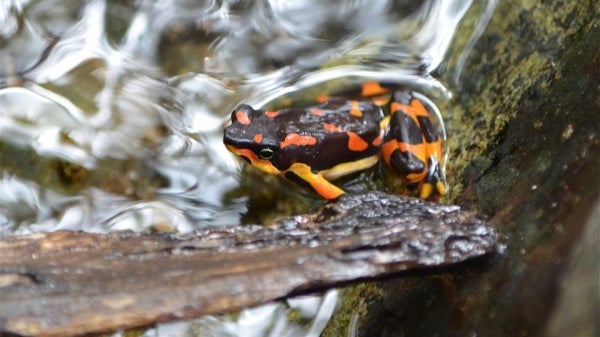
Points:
[(111, 113)]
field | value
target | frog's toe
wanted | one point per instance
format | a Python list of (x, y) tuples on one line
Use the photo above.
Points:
[(441, 187), (434, 181), (429, 189), (425, 190)]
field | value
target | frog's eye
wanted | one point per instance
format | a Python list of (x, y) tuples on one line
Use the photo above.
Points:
[(266, 153)]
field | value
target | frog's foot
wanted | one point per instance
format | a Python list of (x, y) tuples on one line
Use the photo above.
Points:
[(434, 181), (303, 174), (429, 177)]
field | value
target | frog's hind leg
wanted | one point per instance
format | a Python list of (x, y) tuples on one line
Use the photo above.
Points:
[(321, 185)]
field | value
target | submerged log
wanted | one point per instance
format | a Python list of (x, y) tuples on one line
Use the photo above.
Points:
[(72, 283)]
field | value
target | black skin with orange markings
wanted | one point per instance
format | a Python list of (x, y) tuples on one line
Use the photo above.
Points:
[(306, 145), (412, 145), (330, 147), (404, 129)]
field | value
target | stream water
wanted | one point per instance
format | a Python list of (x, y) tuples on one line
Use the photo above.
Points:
[(112, 112)]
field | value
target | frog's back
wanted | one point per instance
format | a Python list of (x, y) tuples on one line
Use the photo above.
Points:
[(343, 131), (322, 136)]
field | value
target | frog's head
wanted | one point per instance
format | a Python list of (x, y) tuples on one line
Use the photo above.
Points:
[(249, 137)]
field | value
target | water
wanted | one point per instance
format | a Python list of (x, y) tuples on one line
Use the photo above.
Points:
[(111, 113)]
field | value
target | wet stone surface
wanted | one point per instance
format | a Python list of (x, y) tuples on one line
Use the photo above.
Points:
[(530, 130)]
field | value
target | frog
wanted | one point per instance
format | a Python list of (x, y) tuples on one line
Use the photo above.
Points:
[(412, 145), (312, 146)]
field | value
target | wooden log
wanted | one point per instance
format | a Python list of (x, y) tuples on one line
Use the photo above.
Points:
[(71, 283)]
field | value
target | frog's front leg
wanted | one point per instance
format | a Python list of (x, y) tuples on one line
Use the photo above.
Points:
[(321, 185)]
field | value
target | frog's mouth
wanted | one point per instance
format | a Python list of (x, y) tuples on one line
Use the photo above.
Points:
[(254, 160)]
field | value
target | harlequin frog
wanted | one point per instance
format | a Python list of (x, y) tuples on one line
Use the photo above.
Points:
[(311, 145), (340, 136), (412, 145)]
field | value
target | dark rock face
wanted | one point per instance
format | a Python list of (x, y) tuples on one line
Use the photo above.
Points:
[(537, 99)]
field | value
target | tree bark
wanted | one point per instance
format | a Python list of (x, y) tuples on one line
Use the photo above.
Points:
[(72, 283)]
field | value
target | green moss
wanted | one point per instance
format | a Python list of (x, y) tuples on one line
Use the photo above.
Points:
[(517, 61), (296, 317), (134, 332), (353, 305), (488, 98)]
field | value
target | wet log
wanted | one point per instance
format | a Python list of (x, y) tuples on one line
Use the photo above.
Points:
[(72, 283)]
